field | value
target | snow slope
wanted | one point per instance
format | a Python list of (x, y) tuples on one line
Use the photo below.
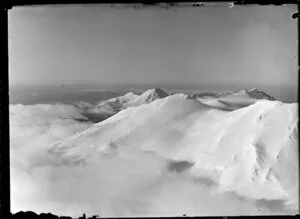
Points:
[(228, 101), (251, 151), (149, 96), (236, 99), (114, 105)]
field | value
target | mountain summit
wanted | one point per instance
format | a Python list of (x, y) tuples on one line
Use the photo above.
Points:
[(114, 105), (252, 93), (151, 95), (228, 100)]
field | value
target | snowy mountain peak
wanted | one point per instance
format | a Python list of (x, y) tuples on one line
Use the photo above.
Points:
[(156, 91), (153, 94), (114, 105), (241, 92), (252, 93), (253, 89), (129, 96)]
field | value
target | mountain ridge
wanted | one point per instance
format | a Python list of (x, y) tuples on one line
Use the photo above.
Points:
[(178, 128)]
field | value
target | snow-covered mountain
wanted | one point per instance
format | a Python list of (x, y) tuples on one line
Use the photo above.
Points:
[(149, 96), (235, 99), (204, 95), (252, 93), (252, 151), (114, 105), (228, 100)]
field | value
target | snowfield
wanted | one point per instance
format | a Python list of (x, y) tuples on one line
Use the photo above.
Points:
[(169, 155)]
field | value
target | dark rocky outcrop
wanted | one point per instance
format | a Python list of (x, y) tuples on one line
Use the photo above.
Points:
[(25, 215), (33, 215)]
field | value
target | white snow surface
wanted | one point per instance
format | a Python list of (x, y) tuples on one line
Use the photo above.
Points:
[(228, 100), (251, 151), (236, 99), (116, 104), (157, 154)]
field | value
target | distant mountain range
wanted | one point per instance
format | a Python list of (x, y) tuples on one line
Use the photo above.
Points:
[(252, 93), (107, 108)]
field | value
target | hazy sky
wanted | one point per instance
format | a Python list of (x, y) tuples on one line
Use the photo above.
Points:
[(102, 44)]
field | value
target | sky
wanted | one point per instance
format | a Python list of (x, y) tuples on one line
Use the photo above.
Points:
[(100, 44)]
